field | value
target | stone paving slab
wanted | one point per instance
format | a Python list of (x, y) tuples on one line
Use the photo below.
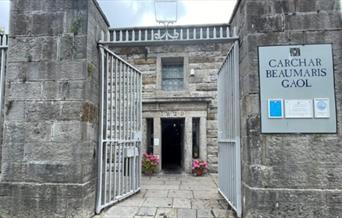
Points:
[(173, 196), (180, 194), (181, 203), (156, 193), (158, 202)]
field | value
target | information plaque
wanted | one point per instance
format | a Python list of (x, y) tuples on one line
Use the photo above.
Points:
[(298, 108), (297, 89)]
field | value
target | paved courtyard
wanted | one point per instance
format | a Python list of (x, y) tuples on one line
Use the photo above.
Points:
[(173, 196)]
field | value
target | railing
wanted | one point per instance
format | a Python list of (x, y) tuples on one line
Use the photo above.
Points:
[(146, 35), (3, 57)]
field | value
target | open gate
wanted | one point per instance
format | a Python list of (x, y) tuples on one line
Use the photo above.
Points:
[(229, 129), (119, 149)]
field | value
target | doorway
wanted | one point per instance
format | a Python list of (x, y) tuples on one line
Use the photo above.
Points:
[(172, 144)]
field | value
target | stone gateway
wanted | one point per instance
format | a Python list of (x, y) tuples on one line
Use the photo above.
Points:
[(290, 105)]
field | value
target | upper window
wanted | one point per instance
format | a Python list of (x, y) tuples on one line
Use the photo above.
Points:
[(172, 74)]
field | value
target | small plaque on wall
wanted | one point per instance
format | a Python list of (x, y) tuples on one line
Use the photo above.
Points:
[(322, 108), (156, 142), (298, 108), (275, 108)]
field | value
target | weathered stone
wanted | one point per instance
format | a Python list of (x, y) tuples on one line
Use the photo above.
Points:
[(47, 149), (89, 113), (24, 91), (71, 90), (143, 61), (41, 110), (67, 131)]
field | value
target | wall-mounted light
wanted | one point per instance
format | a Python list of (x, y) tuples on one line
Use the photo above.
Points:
[(192, 72)]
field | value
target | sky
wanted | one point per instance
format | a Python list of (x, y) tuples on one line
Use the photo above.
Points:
[(128, 13)]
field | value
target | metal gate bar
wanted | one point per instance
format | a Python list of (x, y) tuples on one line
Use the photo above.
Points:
[(3, 57), (229, 129), (120, 130)]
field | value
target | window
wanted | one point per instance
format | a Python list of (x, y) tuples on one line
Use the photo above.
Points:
[(195, 137), (172, 74), (149, 135)]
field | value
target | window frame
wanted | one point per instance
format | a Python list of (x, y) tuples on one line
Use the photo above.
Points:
[(163, 57), (176, 63)]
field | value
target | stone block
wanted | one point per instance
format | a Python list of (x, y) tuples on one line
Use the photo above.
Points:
[(41, 110), (25, 207), (50, 90), (50, 204), (53, 172), (13, 152), (72, 90), (38, 131), (323, 5), (49, 151), (66, 46), (323, 21), (73, 70), (21, 24), (14, 132), (29, 49), (80, 51), (304, 6), (144, 61), (71, 110), (51, 6), (89, 113), (6, 203), (45, 70), (270, 23), (257, 8), (24, 91), (47, 24), (14, 110), (67, 131)]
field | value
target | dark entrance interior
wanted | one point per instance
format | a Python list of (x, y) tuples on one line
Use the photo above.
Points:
[(172, 144)]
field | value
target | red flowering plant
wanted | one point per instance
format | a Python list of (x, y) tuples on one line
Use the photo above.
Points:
[(199, 167), (149, 163)]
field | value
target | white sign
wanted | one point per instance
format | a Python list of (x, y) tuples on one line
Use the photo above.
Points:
[(322, 109), (298, 108), (156, 142), (301, 72)]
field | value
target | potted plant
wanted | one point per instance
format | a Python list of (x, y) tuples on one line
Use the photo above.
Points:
[(199, 167), (149, 164)]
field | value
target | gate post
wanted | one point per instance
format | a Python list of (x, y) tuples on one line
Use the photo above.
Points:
[(295, 171), (51, 112)]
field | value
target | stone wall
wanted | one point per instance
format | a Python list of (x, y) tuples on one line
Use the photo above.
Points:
[(51, 111), (288, 175), (204, 58)]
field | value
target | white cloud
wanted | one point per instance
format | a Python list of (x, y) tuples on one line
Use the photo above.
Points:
[(4, 14), (206, 12), (126, 13)]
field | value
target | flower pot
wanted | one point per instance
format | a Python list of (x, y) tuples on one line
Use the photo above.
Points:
[(149, 173)]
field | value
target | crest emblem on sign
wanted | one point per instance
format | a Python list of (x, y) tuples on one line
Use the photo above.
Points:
[(294, 52)]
